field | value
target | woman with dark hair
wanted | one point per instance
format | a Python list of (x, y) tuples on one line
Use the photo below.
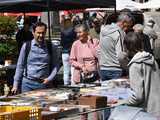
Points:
[(143, 74), (95, 30), (111, 18), (133, 43)]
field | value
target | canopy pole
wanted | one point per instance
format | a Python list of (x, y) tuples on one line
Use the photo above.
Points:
[(49, 31), (115, 10), (24, 14)]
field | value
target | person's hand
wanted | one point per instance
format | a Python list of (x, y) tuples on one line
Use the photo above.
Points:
[(45, 81), (84, 69), (14, 90)]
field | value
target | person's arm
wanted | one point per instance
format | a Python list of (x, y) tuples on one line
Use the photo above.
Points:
[(73, 57), (136, 84), (93, 44), (56, 63), (153, 34), (20, 67), (54, 72), (121, 53)]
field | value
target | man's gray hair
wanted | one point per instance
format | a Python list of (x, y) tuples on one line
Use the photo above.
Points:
[(84, 26), (138, 27)]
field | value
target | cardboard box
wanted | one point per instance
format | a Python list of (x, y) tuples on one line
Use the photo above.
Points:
[(93, 101)]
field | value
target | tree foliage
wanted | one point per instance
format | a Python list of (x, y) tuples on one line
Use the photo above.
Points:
[(8, 28), (8, 25)]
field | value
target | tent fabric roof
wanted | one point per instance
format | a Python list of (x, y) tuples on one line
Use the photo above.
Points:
[(150, 4), (121, 4), (42, 5)]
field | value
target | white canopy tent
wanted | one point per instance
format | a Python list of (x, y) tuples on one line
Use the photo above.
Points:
[(98, 9), (121, 4), (150, 4)]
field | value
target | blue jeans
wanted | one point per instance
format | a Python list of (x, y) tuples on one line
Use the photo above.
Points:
[(29, 85), (110, 74), (66, 68)]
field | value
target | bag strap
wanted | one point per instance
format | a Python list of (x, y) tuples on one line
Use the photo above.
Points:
[(27, 50), (121, 41), (92, 42), (50, 52)]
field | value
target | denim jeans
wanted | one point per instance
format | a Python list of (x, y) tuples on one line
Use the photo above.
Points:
[(66, 68), (110, 74), (29, 85)]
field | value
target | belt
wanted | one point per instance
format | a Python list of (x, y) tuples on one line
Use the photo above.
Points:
[(35, 79)]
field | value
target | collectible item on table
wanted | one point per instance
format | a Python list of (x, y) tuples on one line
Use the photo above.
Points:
[(82, 85), (63, 107), (93, 101), (37, 97), (124, 83), (115, 90), (60, 111)]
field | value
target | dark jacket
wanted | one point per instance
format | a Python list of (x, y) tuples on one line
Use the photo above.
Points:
[(68, 36), (146, 41)]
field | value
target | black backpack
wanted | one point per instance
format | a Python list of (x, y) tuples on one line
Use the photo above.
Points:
[(28, 48)]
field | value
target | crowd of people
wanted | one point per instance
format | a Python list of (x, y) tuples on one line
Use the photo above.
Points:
[(95, 51)]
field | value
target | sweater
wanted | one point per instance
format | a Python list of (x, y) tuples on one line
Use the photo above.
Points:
[(83, 54), (145, 80)]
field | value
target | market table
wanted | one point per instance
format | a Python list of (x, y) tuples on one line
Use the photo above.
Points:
[(64, 102)]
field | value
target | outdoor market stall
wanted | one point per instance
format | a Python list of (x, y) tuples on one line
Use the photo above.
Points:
[(44, 99)]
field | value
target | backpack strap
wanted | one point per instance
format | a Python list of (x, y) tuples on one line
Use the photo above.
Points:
[(27, 50), (49, 47)]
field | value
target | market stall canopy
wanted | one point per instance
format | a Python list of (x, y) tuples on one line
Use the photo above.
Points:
[(20, 14), (45, 5), (98, 9), (121, 4), (150, 4)]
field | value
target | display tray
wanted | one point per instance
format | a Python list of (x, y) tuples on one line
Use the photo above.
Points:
[(80, 85), (60, 111), (37, 97), (7, 98)]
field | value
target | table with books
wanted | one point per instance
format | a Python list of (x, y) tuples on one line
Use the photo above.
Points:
[(71, 100)]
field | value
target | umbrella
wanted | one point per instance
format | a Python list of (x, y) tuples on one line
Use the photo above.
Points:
[(45, 5)]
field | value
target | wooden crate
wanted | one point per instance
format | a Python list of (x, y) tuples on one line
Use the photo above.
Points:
[(20, 113), (93, 101)]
